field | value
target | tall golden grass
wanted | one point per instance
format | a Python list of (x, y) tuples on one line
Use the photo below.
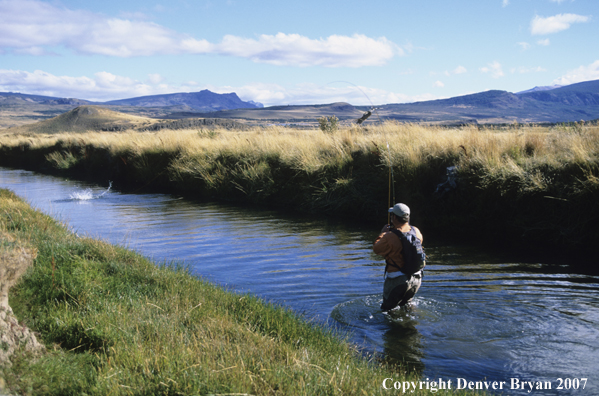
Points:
[(310, 149), (516, 169)]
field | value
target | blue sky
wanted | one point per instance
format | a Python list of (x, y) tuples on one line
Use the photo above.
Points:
[(296, 52)]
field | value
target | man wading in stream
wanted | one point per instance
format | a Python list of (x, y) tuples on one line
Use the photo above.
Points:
[(399, 287)]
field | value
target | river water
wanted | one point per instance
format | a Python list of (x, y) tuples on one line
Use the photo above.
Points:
[(476, 317)]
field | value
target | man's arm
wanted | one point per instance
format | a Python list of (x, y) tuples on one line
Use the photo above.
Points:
[(418, 234), (381, 245)]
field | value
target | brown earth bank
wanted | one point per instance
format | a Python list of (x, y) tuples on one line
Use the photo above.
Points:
[(526, 207)]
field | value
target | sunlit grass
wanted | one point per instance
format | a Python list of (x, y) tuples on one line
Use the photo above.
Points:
[(346, 171)]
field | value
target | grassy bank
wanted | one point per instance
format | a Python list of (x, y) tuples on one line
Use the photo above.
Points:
[(115, 323), (518, 185)]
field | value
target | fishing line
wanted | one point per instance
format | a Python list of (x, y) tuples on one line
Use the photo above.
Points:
[(363, 93), (390, 165)]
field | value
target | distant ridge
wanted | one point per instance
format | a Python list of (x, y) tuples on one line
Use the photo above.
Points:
[(573, 102), (19, 98), (543, 88), (204, 101)]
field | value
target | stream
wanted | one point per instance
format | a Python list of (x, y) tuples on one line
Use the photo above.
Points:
[(475, 318)]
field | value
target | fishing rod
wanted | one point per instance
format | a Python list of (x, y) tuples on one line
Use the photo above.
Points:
[(391, 183)]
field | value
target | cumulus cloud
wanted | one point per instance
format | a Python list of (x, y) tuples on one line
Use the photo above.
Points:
[(583, 73), (34, 27), (104, 86), (494, 69), (27, 24), (554, 24), (294, 49), (438, 84), (544, 43)]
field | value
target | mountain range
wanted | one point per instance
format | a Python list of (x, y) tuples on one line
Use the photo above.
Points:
[(569, 103), (553, 104)]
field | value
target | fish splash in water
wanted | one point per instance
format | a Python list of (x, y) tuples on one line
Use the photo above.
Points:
[(88, 194)]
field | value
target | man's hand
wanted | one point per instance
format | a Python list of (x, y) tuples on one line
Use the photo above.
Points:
[(386, 228)]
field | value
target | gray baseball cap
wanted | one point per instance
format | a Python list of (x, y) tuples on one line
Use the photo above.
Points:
[(400, 210)]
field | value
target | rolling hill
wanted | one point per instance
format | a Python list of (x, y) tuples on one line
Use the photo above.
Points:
[(97, 118)]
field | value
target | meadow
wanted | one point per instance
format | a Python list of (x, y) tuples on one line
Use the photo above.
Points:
[(524, 185)]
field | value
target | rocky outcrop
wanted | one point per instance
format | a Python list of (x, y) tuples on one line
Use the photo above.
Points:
[(14, 336), (14, 261)]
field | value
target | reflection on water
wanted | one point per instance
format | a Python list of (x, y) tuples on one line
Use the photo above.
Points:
[(475, 316)]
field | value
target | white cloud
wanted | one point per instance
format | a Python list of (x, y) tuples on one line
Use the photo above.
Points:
[(34, 27), (155, 78), (311, 93), (293, 49), (35, 51), (554, 24), (525, 70), (524, 45), (459, 70), (505, 3), (544, 43), (494, 68), (438, 84), (104, 86), (583, 73)]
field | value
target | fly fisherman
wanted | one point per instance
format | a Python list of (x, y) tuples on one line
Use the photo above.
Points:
[(399, 288)]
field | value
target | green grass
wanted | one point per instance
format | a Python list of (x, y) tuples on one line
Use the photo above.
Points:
[(115, 323)]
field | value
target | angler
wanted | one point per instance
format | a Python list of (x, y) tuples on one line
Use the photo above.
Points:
[(404, 258)]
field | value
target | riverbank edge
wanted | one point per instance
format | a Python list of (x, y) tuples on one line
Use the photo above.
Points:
[(553, 225), (115, 322)]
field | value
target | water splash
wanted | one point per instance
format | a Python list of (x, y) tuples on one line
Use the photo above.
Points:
[(88, 194)]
